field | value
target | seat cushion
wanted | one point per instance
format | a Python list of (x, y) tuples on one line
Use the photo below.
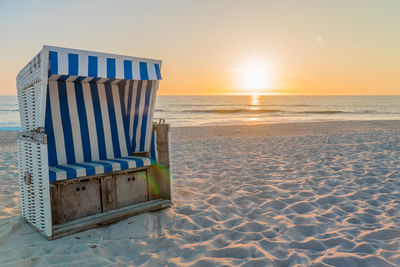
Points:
[(69, 171)]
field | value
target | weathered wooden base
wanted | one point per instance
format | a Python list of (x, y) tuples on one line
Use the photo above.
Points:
[(107, 217), (87, 202)]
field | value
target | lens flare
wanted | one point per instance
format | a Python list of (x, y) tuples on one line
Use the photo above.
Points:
[(158, 168)]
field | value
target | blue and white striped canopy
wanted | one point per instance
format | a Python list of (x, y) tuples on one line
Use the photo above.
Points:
[(72, 64), (99, 112)]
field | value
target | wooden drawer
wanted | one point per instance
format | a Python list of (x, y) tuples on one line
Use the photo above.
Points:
[(79, 199), (131, 188), (75, 200)]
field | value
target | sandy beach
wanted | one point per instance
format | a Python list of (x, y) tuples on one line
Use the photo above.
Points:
[(296, 194)]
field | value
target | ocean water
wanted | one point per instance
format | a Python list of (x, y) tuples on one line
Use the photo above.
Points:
[(9, 114), (230, 110)]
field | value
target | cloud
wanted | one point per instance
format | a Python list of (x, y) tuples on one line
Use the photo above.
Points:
[(319, 39)]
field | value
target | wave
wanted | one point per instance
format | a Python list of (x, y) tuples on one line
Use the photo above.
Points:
[(229, 111), (280, 111), (13, 110), (323, 112), (261, 110), (340, 112), (10, 128)]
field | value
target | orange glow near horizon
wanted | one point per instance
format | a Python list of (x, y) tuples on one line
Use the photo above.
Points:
[(318, 48)]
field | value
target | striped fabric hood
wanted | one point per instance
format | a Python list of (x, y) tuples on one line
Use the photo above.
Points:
[(98, 106), (73, 64)]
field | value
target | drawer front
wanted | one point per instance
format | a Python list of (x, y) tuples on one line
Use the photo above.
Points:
[(80, 199), (131, 188)]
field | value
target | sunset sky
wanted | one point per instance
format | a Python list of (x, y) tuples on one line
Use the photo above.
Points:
[(308, 47)]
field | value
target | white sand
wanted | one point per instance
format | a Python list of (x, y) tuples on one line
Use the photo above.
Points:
[(319, 194)]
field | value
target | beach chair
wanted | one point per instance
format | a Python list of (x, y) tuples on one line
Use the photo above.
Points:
[(89, 153)]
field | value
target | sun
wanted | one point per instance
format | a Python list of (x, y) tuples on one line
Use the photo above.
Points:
[(256, 76)]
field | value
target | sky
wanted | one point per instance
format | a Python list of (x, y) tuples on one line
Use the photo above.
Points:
[(309, 47)]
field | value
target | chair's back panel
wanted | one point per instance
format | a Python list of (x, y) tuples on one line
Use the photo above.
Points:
[(139, 102), (87, 121)]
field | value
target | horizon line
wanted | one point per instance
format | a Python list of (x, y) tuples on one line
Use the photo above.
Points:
[(259, 95)]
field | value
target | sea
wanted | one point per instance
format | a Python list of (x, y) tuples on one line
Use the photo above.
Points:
[(249, 109)]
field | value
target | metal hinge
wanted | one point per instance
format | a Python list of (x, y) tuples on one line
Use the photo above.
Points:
[(28, 178), (37, 136)]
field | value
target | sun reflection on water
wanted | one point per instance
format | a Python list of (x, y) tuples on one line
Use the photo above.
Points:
[(255, 100), (254, 105)]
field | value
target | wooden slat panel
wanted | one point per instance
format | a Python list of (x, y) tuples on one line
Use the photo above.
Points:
[(159, 175), (56, 208), (162, 131), (108, 193)]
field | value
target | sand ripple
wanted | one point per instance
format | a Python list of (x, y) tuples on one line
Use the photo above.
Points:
[(306, 200)]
